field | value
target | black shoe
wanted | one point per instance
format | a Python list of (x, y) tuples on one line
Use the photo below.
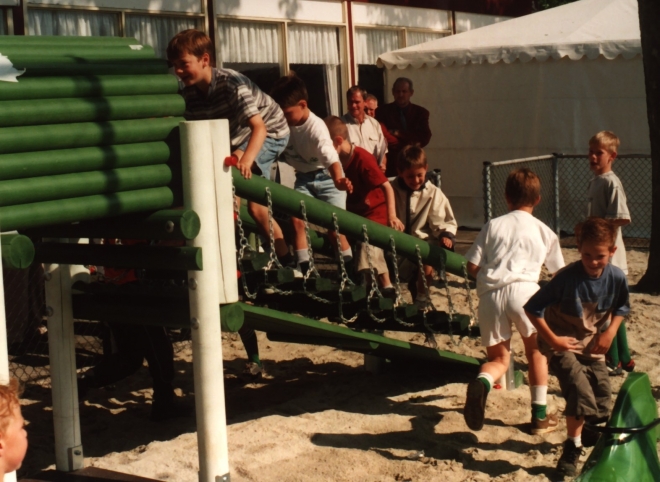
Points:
[(389, 293), (569, 459), (475, 405), (304, 267)]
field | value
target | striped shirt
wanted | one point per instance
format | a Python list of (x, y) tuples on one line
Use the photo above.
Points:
[(233, 96)]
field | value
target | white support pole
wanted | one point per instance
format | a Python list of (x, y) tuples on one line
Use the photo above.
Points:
[(4, 352), (204, 144), (61, 350)]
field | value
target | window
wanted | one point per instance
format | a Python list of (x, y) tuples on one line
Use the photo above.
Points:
[(156, 31), (416, 37), (369, 44), (72, 22)]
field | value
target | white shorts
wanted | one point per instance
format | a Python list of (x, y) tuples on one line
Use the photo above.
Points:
[(500, 308)]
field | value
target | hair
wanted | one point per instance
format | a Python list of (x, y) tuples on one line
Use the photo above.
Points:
[(606, 139), (403, 79), (356, 89), (192, 42), (336, 127), (371, 97), (289, 90), (411, 157), (596, 230), (523, 187), (8, 403)]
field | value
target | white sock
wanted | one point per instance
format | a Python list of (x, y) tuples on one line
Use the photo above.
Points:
[(302, 255), (576, 440), (488, 377), (388, 286), (347, 254), (539, 394)]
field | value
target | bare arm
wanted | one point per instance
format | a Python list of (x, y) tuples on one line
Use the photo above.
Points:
[(620, 222), (342, 183), (473, 269), (392, 220), (603, 340), (254, 145), (558, 343)]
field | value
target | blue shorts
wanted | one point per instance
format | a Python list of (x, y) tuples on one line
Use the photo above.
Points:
[(319, 184), (270, 151)]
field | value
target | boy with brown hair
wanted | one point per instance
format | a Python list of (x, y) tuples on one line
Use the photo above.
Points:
[(425, 212), (506, 259), (607, 199), (13, 437), (372, 197), (577, 315)]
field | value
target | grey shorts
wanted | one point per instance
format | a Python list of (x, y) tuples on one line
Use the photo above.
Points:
[(377, 258), (585, 384)]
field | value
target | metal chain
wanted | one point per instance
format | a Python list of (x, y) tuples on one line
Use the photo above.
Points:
[(243, 242), (310, 252), (474, 319), (451, 312), (273, 261), (374, 282), (344, 275), (420, 265), (397, 286)]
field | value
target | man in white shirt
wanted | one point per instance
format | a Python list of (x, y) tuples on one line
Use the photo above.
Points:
[(364, 131)]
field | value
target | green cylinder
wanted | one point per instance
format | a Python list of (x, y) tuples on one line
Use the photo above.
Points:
[(84, 53), (62, 211), (168, 224), (67, 67), (17, 251), (134, 256), (38, 40), (49, 188), (86, 134), (97, 86), (64, 161), (95, 109)]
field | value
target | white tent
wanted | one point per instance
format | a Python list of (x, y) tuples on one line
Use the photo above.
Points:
[(529, 86)]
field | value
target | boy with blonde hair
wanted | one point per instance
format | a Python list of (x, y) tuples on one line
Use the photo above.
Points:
[(506, 259), (13, 437), (577, 314), (607, 200)]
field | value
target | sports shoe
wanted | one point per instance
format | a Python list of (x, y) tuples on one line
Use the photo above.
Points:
[(569, 459), (630, 366), (475, 405), (616, 371), (545, 425), (389, 292), (252, 371)]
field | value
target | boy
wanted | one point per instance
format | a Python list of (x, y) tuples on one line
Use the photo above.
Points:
[(608, 200), (424, 211), (372, 198), (13, 437), (506, 259), (311, 153), (572, 315)]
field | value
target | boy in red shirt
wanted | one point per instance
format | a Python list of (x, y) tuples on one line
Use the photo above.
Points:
[(372, 198)]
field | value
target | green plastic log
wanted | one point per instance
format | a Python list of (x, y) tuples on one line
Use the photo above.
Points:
[(62, 211), (96, 109), (17, 251), (66, 67), (84, 53), (87, 134), (134, 256), (38, 40), (97, 86), (321, 213), (169, 224), (49, 188), (65, 161)]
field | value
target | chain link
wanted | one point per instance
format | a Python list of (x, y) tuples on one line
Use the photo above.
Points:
[(243, 243), (474, 320), (345, 280), (374, 282)]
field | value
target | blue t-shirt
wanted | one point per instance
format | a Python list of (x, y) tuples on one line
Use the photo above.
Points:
[(574, 304)]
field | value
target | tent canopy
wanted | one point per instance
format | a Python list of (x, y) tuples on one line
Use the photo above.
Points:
[(585, 28)]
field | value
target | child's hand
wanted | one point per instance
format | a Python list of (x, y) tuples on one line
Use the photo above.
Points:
[(447, 242), (564, 343), (245, 168), (601, 343), (343, 184), (395, 223)]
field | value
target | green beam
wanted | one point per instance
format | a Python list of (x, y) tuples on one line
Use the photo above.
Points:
[(95, 109), (65, 161), (285, 324), (83, 53), (86, 134), (96, 86), (118, 256), (17, 251), (85, 208), (169, 224), (319, 212), (66, 67), (38, 40), (49, 188)]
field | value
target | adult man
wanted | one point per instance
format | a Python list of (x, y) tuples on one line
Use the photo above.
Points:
[(407, 123), (364, 131), (370, 105)]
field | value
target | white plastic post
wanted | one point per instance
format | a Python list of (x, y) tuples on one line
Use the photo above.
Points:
[(4, 352), (508, 380), (61, 350), (204, 145)]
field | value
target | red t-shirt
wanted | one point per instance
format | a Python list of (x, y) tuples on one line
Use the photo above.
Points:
[(367, 198)]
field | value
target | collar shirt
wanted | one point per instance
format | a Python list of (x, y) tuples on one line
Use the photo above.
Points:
[(368, 135)]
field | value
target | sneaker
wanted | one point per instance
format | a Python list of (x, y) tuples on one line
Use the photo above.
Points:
[(589, 437), (252, 371), (630, 366), (615, 371), (569, 459), (389, 293), (475, 405), (545, 425)]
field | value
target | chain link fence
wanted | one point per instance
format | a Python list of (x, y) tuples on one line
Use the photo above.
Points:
[(564, 184)]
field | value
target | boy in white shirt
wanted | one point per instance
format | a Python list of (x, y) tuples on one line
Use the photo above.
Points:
[(506, 259), (311, 153)]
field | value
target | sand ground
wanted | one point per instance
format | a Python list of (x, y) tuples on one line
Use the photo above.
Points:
[(319, 416)]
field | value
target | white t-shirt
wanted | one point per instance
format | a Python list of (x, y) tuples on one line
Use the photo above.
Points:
[(513, 248), (310, 146), (607, 199)]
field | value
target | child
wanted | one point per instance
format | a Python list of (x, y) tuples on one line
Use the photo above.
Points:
[(257, 128), (311, 153), (608, 200), (13, 437), (423, 209), (572, 315), (372, 197), (506, 259)]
